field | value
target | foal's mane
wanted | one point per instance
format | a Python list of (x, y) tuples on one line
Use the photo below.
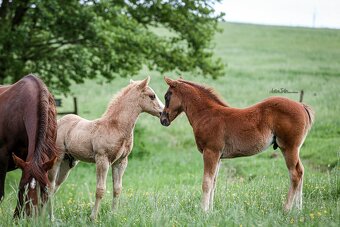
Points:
[(209, 92), (117, 98)]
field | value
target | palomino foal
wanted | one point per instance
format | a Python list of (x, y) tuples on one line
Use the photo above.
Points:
[(105, 141), (222, 131)]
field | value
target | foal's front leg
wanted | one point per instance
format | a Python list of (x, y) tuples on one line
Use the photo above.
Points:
[(211, 161), (211, 205), (117, 175), (102, 166)]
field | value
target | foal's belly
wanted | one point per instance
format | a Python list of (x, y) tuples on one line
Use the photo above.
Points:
[(81, 151), (87, 158), (87, 151), (245, 148)]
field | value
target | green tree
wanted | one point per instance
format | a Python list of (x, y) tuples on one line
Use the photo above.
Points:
[(70, 40)]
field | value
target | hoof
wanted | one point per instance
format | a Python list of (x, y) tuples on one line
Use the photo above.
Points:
[(287, 209), (93, 217), (205, 208)]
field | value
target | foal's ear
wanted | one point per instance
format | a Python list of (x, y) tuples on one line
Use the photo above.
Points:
[(19, 162), (49, 164), (144, 82), (170, 82)]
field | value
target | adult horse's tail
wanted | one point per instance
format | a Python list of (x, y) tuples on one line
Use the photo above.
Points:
[(46, 134), (311, 115)]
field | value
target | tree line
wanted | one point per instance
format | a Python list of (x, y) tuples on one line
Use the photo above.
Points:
[(71, 40)]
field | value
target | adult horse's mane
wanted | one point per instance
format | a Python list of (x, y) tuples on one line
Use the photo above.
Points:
[(45, 148), (209, 92)]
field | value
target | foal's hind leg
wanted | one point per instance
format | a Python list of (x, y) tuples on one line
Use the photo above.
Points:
[(296, 170), (298, 198), (52, 175), (117, 175), (64, 172), (57, 175)]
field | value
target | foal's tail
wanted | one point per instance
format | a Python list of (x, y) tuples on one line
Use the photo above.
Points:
[(311, 114)]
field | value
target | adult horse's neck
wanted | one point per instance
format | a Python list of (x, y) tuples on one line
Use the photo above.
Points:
[(122, 112), (4, 88)]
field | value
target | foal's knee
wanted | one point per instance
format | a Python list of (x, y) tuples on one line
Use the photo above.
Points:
[(117, 190), (206, 185), (100, 193)]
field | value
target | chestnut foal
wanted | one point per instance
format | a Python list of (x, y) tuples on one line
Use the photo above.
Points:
[(222, 131)]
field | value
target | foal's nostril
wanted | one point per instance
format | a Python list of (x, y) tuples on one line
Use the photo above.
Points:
[(165, 122)]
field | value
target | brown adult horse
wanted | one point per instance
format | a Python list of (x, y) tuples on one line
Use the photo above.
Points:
[(222, 131), (27, 132)]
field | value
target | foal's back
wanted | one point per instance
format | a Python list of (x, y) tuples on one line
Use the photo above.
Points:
[(250, 130), (267, 114)]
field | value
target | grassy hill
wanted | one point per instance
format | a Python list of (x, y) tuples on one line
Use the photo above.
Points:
[(162, 184)]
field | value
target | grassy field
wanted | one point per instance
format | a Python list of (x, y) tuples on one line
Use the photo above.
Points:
[(162, 184)]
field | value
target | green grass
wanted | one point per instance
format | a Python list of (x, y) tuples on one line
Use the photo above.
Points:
[(163, 187)]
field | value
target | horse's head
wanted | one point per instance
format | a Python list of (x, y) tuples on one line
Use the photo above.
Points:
[(148, 100), (33, 186), (173, 103)]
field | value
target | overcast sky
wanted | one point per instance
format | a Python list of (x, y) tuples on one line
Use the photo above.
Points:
[(311, 13)]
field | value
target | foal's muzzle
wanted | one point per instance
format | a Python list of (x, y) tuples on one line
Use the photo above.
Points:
[(165, 119)]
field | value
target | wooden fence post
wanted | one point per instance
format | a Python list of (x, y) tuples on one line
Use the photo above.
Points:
[(75, 105), (301, 95)]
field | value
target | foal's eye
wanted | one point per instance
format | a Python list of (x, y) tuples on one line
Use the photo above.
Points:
[(152, 97)]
